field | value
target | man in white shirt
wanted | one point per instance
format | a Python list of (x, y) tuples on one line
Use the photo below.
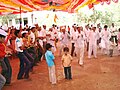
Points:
[(25, 64), (55, 30), (113, 31), (79, 45), (51, 39), (44, 36), (98, 30), (73, 34), (40, 36), (92, 43), (32, 35), (105, 37), (32, 48), (64, 39), (86, 31)]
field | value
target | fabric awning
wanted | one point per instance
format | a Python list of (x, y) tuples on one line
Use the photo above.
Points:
[(13, 6)]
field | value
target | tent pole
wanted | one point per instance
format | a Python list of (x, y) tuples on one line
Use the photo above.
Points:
[(20, 20)]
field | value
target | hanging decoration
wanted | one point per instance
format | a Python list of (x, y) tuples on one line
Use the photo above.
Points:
[(108, 2), (55, 18), (47, 16), (115, 1), (91, 6), (71, 6)]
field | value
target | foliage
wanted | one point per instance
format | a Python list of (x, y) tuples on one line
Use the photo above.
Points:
[(106, 15), (104, 18), (81, 17), (6, 18)]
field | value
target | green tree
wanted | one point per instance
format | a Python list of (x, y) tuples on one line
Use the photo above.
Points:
[(107, 18), (81, 17), (5, 18)]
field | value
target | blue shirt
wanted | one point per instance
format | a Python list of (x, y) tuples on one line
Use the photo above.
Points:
[(49, 58)]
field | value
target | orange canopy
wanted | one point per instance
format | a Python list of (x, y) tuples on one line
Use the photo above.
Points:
[(13, 6)]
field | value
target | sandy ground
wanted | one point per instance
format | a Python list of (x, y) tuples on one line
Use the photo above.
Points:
[(102, 73)]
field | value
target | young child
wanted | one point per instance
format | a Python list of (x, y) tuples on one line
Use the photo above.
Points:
[(50, 62), (3, 34), (111, 47), (66, 62)]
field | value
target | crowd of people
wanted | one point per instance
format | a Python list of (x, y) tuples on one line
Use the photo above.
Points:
[(32, 44)]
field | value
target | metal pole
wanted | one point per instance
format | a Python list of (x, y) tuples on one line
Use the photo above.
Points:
[(20, 20)]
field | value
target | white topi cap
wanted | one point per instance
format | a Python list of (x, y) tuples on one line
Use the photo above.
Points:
[(24, 32), (5, 28), (63, 27), (2, 32)]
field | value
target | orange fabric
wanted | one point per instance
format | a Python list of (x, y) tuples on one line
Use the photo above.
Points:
[(55, 18), (2, 50), (38, 5)]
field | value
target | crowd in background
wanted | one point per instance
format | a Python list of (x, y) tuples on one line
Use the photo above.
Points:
[(29, 45)]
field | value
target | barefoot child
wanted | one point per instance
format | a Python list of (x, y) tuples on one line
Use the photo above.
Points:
[(66, 62)]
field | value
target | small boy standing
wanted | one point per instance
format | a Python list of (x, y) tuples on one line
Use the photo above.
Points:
[(50, 62), (112, 46), (66, 62)]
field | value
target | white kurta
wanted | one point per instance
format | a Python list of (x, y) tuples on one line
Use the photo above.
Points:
[(51, 39), (80, 47), (92, 44), (44, 35), (87, 34), (40, 34), (105, 36), (32, 36), (113, 31), (64, 41), (74, 35)]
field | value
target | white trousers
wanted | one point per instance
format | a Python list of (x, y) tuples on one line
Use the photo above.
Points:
[(106, 49), (52, 75), (93, 48), (104, 46), (80, 54)]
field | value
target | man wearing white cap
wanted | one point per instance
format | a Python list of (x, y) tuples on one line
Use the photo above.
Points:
[(3, 34), (63, 39), (93, 42), (113, 31), (44, 36), (51, 39), (86, 31), (79, 45), (105, 36), (32, 35), (73, 34)]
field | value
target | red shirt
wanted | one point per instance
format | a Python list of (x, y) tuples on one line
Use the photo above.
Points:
[(2, 50)]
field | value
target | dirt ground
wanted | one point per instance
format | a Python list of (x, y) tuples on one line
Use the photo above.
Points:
[(102, 73)]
